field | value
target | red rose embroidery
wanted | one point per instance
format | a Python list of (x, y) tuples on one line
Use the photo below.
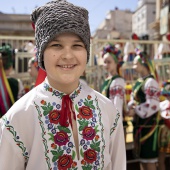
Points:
[(90, 156), (50, 89), (43, 102), (146, 105), (88, 97), (88, 133), (54, 116), (154, 107), (61, 138), (85, 112), (64, 162)]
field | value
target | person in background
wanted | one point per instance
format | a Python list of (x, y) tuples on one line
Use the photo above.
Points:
[(144, 106), (11, 88), (33, 69), (61, 123), (83, 78), (114, 86), (165, 129)]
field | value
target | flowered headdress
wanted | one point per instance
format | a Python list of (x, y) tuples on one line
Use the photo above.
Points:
[(143, 59), (33, 61), (113, 51), (6, 56)]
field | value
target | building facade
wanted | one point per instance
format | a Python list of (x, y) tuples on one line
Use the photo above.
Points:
[(117, 25), (143, 16), (15, 25)]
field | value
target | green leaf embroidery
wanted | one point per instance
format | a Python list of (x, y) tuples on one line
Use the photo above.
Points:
[(51, 137), (95, 146), (44, 107), (88, 167), (45, 113), (83, 124), (86, 103), (65, 129), (91, 102), (54, 158), (96, 130), (77, 109), (73, 155), (92, 106), (57, 154), (54, 152), (81, 153)]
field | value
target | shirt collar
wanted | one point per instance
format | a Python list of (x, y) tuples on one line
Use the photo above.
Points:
[(54, 92)]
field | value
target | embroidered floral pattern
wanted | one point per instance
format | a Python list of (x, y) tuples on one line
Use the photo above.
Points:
[(89, 120), (85, 112), (16, 138), (117, 90), (152, 93), (115, 123), (60, 94), (61, 149), (65, 162)]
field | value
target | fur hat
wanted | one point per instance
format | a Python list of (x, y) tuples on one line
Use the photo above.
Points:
[(55, 17)]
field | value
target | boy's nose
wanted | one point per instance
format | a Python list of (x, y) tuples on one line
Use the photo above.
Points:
[(68, 53)]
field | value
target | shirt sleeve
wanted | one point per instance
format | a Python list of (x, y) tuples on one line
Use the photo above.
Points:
[(151, 105), (9, 155), (117, 93), (117, 145), (165, 109)]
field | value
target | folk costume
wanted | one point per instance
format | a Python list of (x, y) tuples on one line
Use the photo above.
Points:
[(145, 95), (47, 129), (165, 114), (163, 51), (114, 86), (11, 89), (45, 142)]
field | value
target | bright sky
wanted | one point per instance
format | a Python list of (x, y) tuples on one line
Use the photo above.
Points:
[(97, 8)]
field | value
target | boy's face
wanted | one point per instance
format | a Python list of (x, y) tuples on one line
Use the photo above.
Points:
[(65, 60)]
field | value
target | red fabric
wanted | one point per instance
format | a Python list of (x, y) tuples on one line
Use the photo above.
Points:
[(6, 98), (33, 25), (66, 111), (41, 77)]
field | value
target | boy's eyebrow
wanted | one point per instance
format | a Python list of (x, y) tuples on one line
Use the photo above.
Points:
[(58, 40)]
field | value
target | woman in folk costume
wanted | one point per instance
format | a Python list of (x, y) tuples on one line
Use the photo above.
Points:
[(165, 129), (114, 86), (61, 123), (11, 89), (164, 48), (144, 106)]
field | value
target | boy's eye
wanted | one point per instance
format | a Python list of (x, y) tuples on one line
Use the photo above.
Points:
[(56, 45)]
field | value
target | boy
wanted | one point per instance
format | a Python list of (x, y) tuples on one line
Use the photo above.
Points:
[(62, 124)]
